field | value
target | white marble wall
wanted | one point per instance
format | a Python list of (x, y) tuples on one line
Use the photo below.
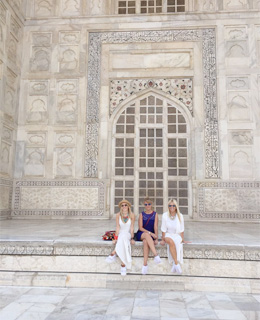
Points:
[(11, 36), (50, 100)]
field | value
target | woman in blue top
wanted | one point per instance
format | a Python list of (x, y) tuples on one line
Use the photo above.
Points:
[(148, 233)]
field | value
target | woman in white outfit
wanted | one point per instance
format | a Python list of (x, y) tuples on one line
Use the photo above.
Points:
[(124, 236), (173, 235)]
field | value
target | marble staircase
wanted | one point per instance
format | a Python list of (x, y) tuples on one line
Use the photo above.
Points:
[(75, 257)]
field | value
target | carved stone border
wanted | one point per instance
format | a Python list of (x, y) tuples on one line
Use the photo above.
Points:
[(68, 213), (237, 188), (206, 36), (7, 183), (192, 251)]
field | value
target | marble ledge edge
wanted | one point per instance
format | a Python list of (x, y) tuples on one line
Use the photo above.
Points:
[(193, 251)]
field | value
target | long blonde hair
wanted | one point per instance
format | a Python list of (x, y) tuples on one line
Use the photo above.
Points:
[(177, 208), (129, 211)]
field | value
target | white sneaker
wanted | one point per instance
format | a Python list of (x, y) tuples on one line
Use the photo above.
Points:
[(111, 259), (157, 259), (178, 269), (123, 271), (173, 269), (144, 269)]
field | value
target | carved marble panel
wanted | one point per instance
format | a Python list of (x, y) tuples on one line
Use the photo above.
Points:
[(11, 78), (180, 89), (41, 38), (15, 28), (258, 52), (12, 48), (70, 7), (67, 109), (2, 37), (68, 86), (205, 36), (69, 58), (236, 33), (65, 162), (44, 8), (65, 139), (96, 7), (38, 88), (206, 5), (7, 135), (9, 101), (238, 83), (1, 72), (5, 157), (59, 198), (3, 11), (241, 137), (37, 109), (41, 59), (69, 37), (236, 49), (229, 200), (34, 162), (5, 198), (36, 139), (241, 162), (235, 4), (239, 106)]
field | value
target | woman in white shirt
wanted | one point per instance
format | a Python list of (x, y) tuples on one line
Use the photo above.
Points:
[(173, 235)]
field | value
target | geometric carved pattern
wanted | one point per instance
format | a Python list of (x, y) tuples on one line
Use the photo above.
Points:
[(180, 89), (53, 204), (229, 200), (206, 36), (191, 251)]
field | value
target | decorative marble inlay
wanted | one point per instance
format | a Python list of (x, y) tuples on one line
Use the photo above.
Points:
[(192, 251), (59, 198), (69, 37), (236, 33), (36, 138), (3, 11), (41, 38), (229, 200), (241, 137), (206, 36), (38, 88), (15, 28), (180, 89)]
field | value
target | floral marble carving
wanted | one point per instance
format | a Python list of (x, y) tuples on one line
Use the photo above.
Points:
[(206, 36), (180, 89)]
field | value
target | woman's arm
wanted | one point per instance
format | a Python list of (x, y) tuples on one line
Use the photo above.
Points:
[(156, 228), (163, 238), (117, 227), (132, 228)]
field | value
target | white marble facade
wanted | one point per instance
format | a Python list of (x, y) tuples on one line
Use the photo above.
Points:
[(70, 70)]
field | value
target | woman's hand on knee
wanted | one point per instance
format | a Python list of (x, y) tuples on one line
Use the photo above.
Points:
[(162, 242)]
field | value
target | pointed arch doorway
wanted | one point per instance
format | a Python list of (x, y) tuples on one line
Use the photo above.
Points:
[(151, 153)]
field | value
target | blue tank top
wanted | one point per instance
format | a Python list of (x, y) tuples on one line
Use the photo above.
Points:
[(147, 226)]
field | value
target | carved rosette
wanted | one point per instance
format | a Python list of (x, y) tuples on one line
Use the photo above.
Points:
[(206, 36)]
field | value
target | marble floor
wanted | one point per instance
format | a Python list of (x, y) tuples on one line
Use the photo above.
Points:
[(221, 233), (26, 303)]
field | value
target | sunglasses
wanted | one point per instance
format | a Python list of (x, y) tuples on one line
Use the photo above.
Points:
[(172, 205), (147, 204), (124, 205)]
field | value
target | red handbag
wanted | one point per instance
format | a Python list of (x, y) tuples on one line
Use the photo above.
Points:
[(109, 235)]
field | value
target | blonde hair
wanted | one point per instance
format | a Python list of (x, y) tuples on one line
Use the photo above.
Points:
[(129, 211), (147, 199), (177, 208)]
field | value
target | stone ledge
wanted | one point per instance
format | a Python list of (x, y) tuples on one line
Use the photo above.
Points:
[(65, 248), (115, 281)]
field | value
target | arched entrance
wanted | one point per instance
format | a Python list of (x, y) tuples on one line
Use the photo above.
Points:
[(151, 152)]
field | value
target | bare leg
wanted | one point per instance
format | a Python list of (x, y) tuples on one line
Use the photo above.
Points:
[(150, 242), (172, 248), (146, 251), (113, 253)]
